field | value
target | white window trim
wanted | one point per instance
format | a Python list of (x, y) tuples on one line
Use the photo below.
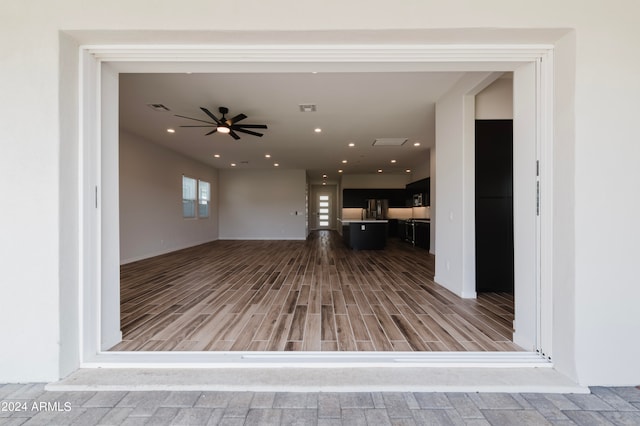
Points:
[(200, 199), (194, 201)]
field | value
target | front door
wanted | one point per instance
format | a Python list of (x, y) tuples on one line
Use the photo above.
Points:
[(323, 208)]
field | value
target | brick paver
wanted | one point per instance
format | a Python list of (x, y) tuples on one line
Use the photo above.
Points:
[(30, 404)]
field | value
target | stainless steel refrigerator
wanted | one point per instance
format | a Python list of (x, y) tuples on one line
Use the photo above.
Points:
[(377, 209)]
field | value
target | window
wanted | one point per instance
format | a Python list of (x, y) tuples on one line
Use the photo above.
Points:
[(204, 196), (195, 190), (188, 197)]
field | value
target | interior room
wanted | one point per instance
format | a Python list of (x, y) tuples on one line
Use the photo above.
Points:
[(309, 228)]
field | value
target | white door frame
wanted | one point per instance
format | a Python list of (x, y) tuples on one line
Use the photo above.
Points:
[(98, 162), (316, 189)]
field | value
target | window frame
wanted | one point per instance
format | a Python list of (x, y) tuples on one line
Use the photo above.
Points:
[(207, 200), (192, 201)]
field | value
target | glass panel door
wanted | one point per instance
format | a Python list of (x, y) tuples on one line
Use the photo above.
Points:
[(324, 211)]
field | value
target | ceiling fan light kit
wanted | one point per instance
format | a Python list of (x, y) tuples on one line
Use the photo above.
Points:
[(226, 125)]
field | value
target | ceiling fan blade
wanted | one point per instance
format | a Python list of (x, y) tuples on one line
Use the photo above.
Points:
[(251, 126), (237, 118), (182, 116), (249, 132), (212, 132), (213, 117), (234, 135), (210, 125)]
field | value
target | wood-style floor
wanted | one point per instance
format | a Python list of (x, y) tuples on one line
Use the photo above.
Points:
[(313, 295)]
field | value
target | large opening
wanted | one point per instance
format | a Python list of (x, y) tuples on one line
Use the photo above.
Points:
[(107, 325)]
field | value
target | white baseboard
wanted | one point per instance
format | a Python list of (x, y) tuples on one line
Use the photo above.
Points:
[(262, 239), (469, 295), (164, 251)]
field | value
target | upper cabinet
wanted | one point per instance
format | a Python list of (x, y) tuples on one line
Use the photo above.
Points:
[(357, 198), (419, 192), (415, 194)]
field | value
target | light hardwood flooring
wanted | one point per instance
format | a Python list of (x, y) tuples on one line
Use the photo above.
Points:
[(313, 295)]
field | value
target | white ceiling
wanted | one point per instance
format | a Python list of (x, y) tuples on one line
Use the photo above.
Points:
[(353, 107)]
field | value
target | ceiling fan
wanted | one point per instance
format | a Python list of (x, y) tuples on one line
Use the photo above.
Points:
[(227, 125)]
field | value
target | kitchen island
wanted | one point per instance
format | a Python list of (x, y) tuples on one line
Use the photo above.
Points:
[(365, 234)]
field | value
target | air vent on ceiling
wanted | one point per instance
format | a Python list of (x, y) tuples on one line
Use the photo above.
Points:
[(158, 107), (308, 108), (244, 162), (389, 141)]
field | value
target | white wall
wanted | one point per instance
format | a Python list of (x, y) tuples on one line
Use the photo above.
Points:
[(564, 231), (455, 233), (375, 180), (594, 165), (262, 204), (151, 219), (69, 291), (422, 169), (495, 102)]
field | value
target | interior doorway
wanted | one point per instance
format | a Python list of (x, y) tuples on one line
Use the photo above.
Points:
[(101, 283)]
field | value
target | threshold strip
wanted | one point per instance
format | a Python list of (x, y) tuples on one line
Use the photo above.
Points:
[(314, 359)]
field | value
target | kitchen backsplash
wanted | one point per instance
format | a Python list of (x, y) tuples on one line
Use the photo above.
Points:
[(422, 212), (393, 213), (352, 214)]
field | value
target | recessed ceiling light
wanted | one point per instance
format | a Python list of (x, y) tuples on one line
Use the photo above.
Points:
[(393, 161), (267, 156), (317, 130), (416, 144), (233, 164), (352, 144), (324, 176), (344, 161), (216, 155), (324, 183), (379, 170), (408, 170), (340, 171), (276, 164), (171, 130)]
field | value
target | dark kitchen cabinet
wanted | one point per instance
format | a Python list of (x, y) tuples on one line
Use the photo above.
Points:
[(421, 187), (402, 229), (422, 230), (392, 228), (494, 205), (357, 198), (365, 235)]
